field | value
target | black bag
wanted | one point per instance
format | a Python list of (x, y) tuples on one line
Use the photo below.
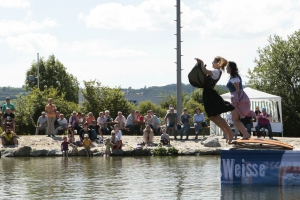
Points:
[(178, 126), (196, 77), (204, 124)]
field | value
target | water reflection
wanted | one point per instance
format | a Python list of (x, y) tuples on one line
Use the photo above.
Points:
[(124, 178)]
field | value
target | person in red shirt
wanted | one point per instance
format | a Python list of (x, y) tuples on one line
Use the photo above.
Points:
[(263, 121), (137, 125)]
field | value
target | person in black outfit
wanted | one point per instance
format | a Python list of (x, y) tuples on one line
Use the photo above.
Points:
[(85, 130), (214, 104)]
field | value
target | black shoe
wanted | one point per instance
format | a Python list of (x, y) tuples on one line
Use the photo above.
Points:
[(48, 136), (271, 138), (175, 138), (181, 138)]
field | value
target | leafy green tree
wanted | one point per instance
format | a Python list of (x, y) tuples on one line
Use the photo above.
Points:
[(144, 106), (100, 98), (54, 74), (277, 71), (29, 108)]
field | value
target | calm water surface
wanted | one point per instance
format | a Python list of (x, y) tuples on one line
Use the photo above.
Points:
[(125, 178)]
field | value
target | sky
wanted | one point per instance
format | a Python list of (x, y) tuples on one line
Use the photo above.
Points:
[(130, 43)]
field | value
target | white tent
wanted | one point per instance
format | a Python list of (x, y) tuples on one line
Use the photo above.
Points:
[(271, 102)]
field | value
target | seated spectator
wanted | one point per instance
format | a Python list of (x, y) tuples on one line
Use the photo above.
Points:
[(73, 121), (56, 124), (130, 122), (115, 142), (87, 143), (263, 121), (164, 138), (90, 118), (9, 119), (149, 120), (148, 135), (118, 131), (155, 124), (83, 131), (71, 134), (185, 123), (198, 120), (41, 124), (248, 123), (81, 119), (137, 125), (121, 120), (158, 122), (108, 119), (100, 121), (96, 131), (171, 121), (9, 137), (62, 124)]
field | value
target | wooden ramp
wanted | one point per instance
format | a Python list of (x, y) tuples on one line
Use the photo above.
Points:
[(261, 143)]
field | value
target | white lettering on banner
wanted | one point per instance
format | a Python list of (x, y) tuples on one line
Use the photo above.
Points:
[(243, 170)]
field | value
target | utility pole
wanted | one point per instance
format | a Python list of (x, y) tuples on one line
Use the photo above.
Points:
[(178, 48), (38, 71)]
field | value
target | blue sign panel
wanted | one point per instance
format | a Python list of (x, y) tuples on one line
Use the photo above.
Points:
[(260, 167)]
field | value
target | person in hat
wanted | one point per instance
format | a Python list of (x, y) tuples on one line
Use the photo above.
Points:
[(8, 105), (41, 124), (87, 143), (264, 121), (9, 137)]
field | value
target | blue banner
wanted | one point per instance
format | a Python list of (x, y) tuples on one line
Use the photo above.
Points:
[(260, 167)]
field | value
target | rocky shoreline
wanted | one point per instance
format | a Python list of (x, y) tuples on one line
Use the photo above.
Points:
[(40, 145)]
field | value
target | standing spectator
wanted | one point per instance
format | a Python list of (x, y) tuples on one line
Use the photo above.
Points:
[(121, 120), (73, 121), (198, 120), (171, 121), (50, 110), (263, 121), (9, 119), (148, 135), (8, 105), (100, 121), (90, 118), (62, 124), (137, 126), (185, 124), (41, 124), (96, 131), (130, 122)]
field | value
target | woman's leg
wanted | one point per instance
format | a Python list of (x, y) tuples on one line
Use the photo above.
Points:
[(239, 124), (219, 121)]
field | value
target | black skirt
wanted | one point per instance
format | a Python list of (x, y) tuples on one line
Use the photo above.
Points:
[(214, 104)]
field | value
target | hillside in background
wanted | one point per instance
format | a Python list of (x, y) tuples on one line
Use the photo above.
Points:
[(146, 91)]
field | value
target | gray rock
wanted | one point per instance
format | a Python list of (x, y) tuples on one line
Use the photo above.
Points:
[(117, 152), (8, 153), (23, 151), (81, 152), (42, 152), (211, 142), (128, 153), (98, 154), (141, 152), (54, 152)]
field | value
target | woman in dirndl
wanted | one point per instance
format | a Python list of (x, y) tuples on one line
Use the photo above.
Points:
[(214, 104), (239, 99)]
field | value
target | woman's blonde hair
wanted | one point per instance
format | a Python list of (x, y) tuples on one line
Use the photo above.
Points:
[(221, 62)]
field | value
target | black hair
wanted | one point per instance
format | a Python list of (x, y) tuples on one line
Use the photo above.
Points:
[(234, 70)]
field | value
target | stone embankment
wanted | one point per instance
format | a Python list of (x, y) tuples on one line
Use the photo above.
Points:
[(41, 145)]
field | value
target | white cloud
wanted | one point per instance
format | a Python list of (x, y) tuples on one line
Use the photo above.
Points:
[(101, 48), (14, 3), (9, 27), (33, 42), (218, 19)]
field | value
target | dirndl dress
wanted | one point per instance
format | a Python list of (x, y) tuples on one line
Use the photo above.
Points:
[(214, 104)]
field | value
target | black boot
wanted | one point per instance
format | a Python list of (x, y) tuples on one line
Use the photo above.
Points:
[(196, 137)]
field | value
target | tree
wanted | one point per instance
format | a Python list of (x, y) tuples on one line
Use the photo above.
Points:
[(30, 107), (53, 74), (100, 98), (144, 106), (277, 71)]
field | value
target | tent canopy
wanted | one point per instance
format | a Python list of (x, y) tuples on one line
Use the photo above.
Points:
[(255, 95)]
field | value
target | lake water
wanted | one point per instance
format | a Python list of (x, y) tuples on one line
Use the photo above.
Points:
[(196, 177)]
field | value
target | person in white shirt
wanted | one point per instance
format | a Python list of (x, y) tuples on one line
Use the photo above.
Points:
[(198, 120), (121, 120), (118, 131), (62, 122)]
